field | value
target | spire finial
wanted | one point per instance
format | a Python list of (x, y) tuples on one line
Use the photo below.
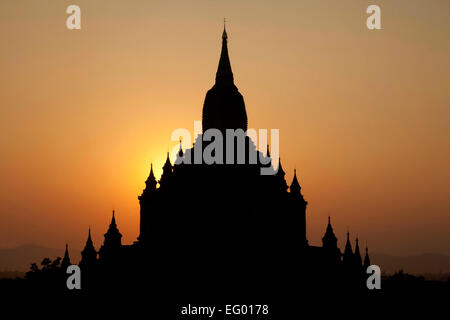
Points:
[(224, 75), (180, 151), (168, 159), (113, 220), (224, 34), (66, 258), (151, 176)]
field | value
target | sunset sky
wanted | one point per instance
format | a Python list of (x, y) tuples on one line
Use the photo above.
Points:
[(364, 116)]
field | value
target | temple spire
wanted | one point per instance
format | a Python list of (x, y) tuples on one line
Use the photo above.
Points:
[(112, 236), (329, 239), (224, 34), (151, 182), (366, 259), (348, 245), (89, 244), (167, 172), (357, 254), (168, 159), (180, 152), (348, 252), (329, 227), (113, 220), (295, 186), (224, 75), (280, 176), (88, 255), (224, 106), (280, 171), (66, 260)]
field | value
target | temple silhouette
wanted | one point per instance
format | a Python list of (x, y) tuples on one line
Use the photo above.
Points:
[(212, 229)]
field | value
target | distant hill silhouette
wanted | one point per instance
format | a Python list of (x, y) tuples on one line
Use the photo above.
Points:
[(20, 258), (414, 264)]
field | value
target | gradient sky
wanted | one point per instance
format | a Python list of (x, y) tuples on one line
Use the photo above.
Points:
[(363, 115)]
